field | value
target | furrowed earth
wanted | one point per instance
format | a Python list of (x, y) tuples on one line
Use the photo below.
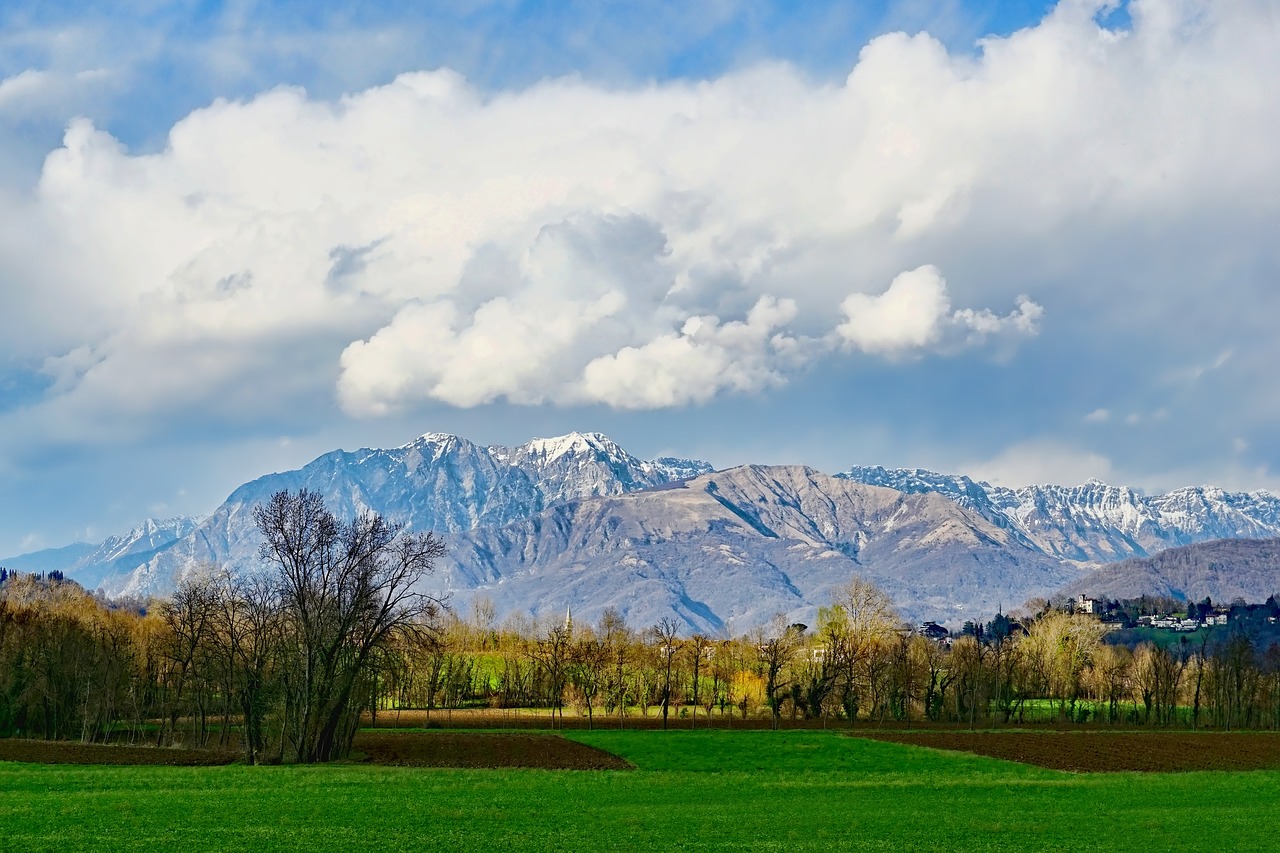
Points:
[(399, 749), (483, 749), (71, 752), (1155, 752)]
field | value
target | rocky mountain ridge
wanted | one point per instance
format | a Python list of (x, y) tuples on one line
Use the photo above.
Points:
[(1095, 522), (726, 551)]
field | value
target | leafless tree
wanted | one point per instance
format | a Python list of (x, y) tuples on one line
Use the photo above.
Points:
[(666, 637), (698, 646), (588, 671), (189, 617), (776, 647), (346, 589), (551, 653)]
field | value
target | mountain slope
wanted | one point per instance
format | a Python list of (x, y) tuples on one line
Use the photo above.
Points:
[(578, 521), (1223, 570), (730, 549)]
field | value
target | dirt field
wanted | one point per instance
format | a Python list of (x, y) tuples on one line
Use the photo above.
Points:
[(64, 752), (1108, 751), (471, 749), (408, 749)]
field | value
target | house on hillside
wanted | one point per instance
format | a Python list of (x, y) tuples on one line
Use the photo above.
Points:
[(1085, 604)]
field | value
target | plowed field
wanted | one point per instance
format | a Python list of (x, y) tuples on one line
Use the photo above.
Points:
[(472, 749), (1108, 751), (406, 749), (65, 752)]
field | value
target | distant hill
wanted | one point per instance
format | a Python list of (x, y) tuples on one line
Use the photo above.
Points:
[(49, 559), (1223, 570)]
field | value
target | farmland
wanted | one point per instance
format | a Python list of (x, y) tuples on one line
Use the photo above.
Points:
[(791, 790)]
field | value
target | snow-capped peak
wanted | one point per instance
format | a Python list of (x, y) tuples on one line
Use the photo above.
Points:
[(574, 442)]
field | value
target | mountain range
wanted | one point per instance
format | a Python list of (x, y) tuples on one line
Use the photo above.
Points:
[(1095, 522), (578, 522)]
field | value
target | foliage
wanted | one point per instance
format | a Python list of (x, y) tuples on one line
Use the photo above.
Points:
[(291, 671)]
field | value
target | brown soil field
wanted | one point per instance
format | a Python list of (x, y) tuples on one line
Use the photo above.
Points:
[(70, 752), (483, 749), (1108, 751)]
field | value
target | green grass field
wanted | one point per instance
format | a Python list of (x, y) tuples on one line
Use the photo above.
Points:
[(691, 790)]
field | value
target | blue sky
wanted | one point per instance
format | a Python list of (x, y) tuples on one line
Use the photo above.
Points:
[(1027, 241)]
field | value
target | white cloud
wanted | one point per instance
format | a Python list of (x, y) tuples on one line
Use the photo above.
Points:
[(703, 359), (570, 243), (915, 314), (583, 318)]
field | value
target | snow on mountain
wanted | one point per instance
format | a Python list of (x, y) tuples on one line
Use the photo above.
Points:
[(437, 482), (114, 558), (1096, 522)]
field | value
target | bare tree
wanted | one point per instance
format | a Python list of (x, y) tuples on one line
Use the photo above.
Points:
[(698, 646), (551, 652), (666, 636), (346, 589), (588, 671), (249, 623), (189, 617), (776, 648), (616, 637), (860, 624)]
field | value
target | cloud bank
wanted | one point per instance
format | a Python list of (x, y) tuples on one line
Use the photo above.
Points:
[(641, 247)]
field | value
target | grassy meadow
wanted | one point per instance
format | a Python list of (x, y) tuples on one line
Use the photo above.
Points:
[(799, 790)]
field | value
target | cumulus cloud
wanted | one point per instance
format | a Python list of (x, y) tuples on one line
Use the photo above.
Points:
[(915, 314), (694, 365), (584, 318), (637, 247)]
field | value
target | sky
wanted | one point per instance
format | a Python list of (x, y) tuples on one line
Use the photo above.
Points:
[(1029, 242)]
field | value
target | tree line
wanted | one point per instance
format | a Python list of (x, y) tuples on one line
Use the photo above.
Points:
[(287, 662), (282, 659)]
